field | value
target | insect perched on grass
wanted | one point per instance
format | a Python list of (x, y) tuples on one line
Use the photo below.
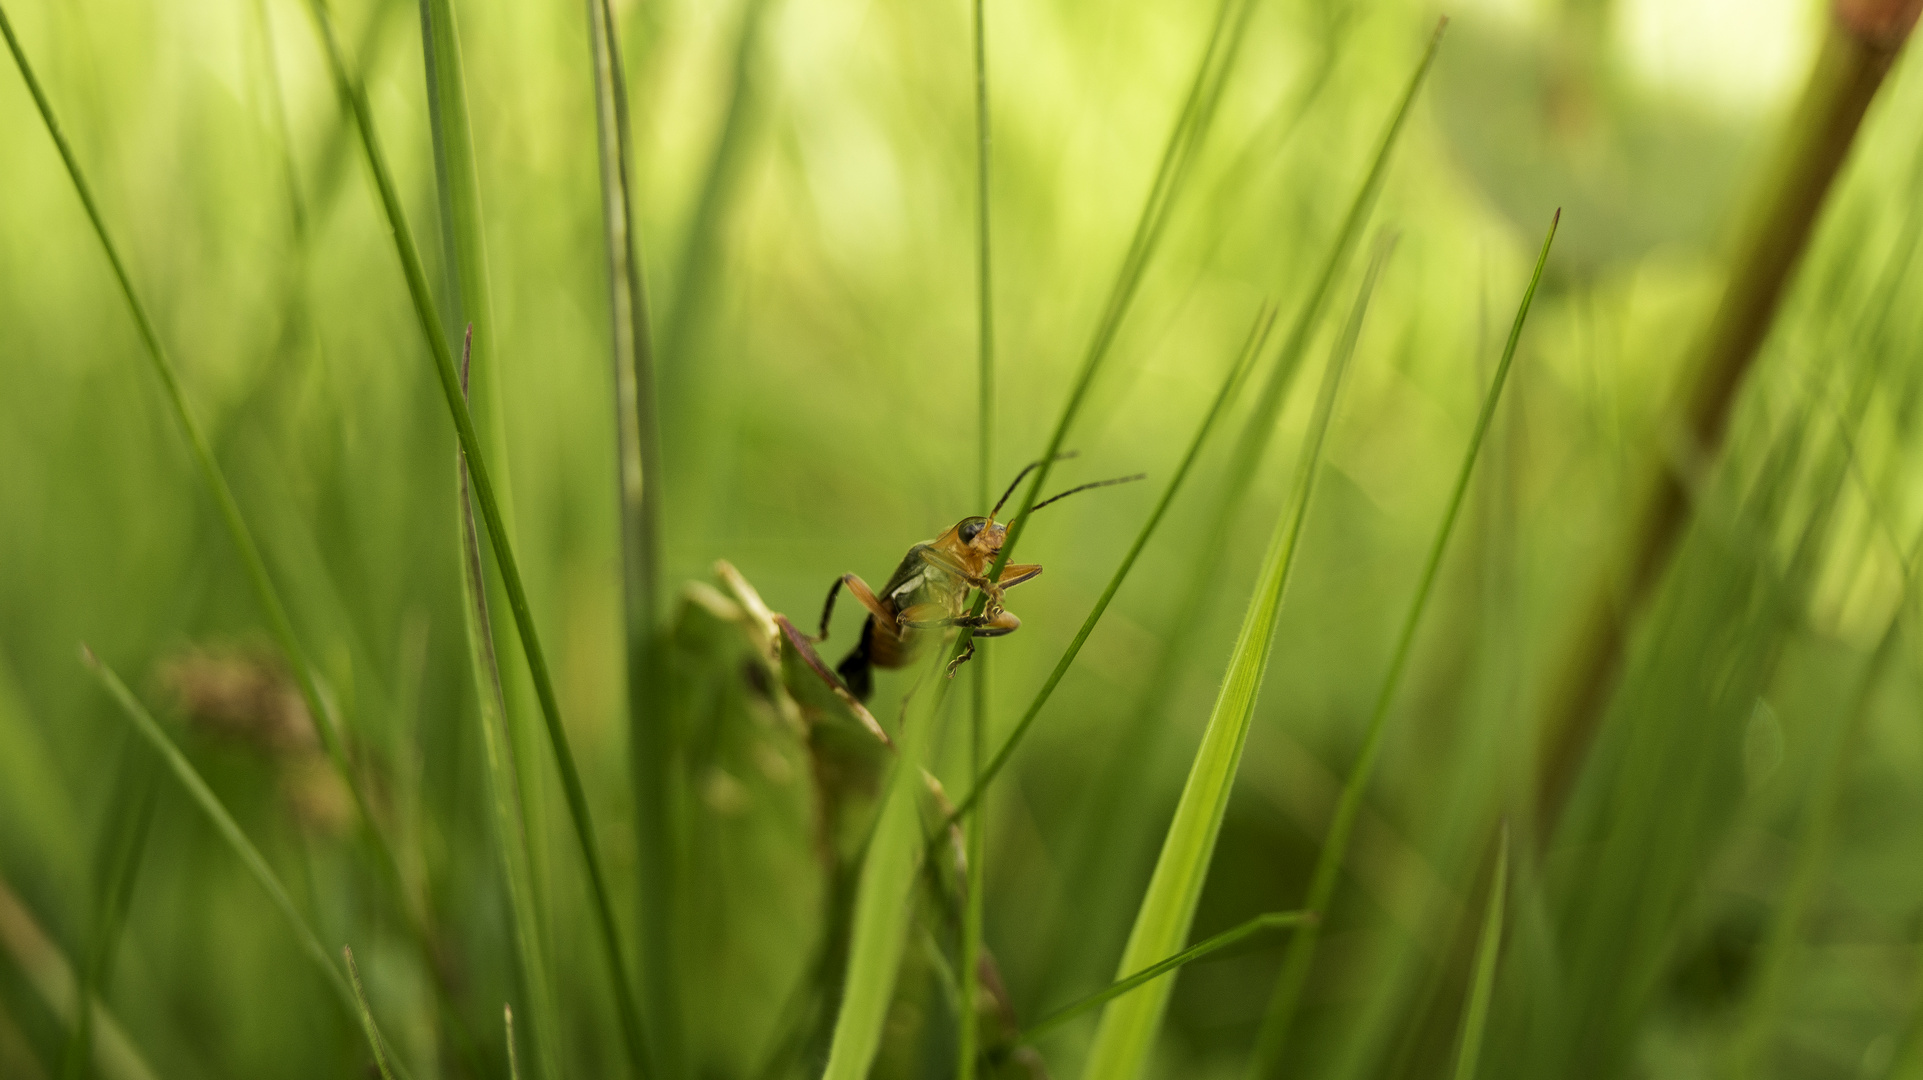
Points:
[(929, 591)]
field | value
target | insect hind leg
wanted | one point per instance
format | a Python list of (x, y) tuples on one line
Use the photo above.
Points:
[(857, 668)]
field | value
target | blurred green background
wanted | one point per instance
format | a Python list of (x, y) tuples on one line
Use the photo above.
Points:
[(806, 189)]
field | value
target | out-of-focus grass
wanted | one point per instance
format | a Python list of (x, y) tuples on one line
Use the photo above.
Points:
[(804, 191)]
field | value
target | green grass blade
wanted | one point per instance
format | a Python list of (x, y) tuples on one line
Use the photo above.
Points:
[(354, 96), (884, 897), (1295, 965), (638, 469), (1274, 920), (1130, 1023), (265, 592), (116, 869), (975, 838), (510, 828), (230, 831), (366, 1015), (1475, 1020), (1238, 370)]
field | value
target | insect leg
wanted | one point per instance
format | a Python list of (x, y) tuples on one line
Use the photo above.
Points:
[(1015, 573), (862, 593)]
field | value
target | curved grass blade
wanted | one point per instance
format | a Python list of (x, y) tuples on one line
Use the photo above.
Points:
[(638, 468), (354, 96), (1295, 965), (366, 1015), (1274, 920), (1129, 1024), (278, 623), (510, 828), (230, 831), (1258, 333), (1475, 1020)]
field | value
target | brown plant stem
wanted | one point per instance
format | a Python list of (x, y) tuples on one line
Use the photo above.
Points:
[(1858, 51)]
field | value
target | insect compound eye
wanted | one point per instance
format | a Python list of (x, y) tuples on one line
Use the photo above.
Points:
[(970, 529)]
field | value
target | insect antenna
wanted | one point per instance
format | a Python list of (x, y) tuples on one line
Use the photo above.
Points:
[(1085, 487), (1026, 469)]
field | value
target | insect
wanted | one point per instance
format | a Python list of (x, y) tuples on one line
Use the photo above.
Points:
[(929, 592)]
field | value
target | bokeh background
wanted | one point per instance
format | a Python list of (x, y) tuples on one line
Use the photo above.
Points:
[(805, 174)]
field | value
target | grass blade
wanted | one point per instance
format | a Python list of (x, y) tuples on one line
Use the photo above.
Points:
[(1475, 1020), (975, 838), (1238, 370), (354, 96), (638, 468), (884, 896), (510, 828), (1129, 1024), (366, 1015), (1274, 920), (34, 955), (118, 866), (1295, 965), (230, 831)]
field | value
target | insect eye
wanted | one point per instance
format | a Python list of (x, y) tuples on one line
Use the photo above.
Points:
[(970, 530)]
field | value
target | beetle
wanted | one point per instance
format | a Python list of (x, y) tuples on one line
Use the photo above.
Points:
[(929, 591)]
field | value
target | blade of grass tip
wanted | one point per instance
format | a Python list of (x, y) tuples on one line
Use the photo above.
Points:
[(975, 840), (278, 622), (638, 469), (1287, 994), (116, 870), (1231, 382), (230, 831), (366, 1015), (1275, 920), (513, 1058), (1476, 1019), (1133, 743), (354, 96), (510, 829), (1129, 1024)]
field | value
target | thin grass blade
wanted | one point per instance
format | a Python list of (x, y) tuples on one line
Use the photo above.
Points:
[(513, 1058), (1475, 1021), (1130, 1023), (354, 96), (366, 1015), (1287, 995), (638, 470), (510, 828), (1274, 920), (230, 831)]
